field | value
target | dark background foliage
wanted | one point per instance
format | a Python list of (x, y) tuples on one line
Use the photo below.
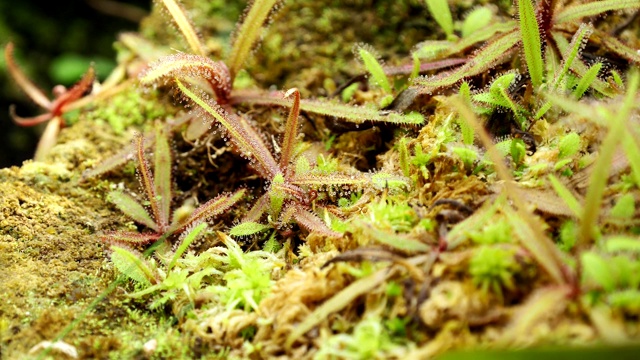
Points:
[(55, 42)]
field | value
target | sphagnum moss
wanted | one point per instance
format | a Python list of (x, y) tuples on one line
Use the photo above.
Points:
[(433, 257)]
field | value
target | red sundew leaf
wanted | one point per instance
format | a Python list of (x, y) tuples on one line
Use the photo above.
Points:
[(25, 84), (184, 65), (80, 89), (128, 238), (147, 183), (211, 208), (490, 55), (433, 65), (291, 130), (241, 135), (28, 121), (259, 208), (308, 220)]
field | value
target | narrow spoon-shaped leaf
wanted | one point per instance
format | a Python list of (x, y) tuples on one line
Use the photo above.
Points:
[(531, 43), (162, 174), (248, 33), (179, 16), (578, 11), (132, 208)]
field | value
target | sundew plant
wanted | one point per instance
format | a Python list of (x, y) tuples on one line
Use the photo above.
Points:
[(357, 180)]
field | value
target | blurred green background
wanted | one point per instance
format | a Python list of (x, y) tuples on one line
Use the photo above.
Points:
[(55, 42)]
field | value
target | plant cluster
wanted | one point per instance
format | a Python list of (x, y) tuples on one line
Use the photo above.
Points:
[(488, 216)]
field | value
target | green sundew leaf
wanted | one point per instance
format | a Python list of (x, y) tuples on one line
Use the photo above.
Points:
[(132, 208), (543, 110), (531, 43), (375, 69), (574, 107), (248, 33), (272, 245), (349, 91), (626, 270), (552, 62), (247, 141), (432, 49), (503, 147), (131, 265), (465, 92), (574, 63), (629, 298), (568, 232), (518, 151), (415, 72), (572, 51), (489, 56), (596, 269), (625, 207), (468, 156), (632, 151), (598, 180), (499, 91), (622, 243), (383, 180), (412, 118), (276, 195), (498, 94), (616, 46), (562, 163), (186, 241), (302, 165), (477, 37), (440, 11), (568, 145), (248, 228), (617, 79), (566, 195), (162, 174), (467, 131), (179, 16), (587, 80), (385, 101), (355, 114), (578, 11), (477, 19)]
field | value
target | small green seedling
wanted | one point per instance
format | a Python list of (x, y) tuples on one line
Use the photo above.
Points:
[(375, 69), (439, 10)]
